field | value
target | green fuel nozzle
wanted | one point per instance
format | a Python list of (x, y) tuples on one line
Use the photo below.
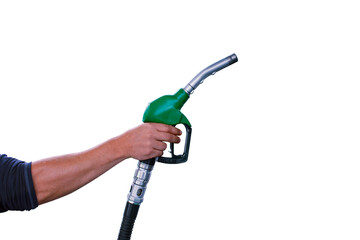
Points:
[(165, 109)]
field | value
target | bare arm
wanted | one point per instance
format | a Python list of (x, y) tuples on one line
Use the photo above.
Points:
[(58, 176)]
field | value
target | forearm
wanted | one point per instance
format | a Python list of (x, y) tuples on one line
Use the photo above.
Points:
[(58, 176)]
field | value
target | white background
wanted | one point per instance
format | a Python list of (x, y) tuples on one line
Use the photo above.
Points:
[(275, 145)]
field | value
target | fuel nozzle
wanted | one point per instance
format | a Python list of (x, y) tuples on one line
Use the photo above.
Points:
[(166, 110), (210, 70)]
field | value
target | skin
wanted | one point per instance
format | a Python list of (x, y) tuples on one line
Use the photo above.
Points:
[(58, 176)]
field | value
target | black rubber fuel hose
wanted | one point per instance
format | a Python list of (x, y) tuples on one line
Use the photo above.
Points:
[(130, 213)]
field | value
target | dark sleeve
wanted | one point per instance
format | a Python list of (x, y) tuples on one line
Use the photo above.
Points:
[(16, 185)]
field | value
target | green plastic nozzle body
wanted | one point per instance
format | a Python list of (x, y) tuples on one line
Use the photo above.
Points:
[(166, 109)]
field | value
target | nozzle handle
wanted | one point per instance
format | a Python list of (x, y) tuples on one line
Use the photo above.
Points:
[(175, 159), (210, 70)]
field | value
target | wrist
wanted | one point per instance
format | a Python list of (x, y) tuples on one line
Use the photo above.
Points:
[(117, 148)]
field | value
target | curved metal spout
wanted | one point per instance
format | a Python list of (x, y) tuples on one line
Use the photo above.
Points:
[(210, 70)]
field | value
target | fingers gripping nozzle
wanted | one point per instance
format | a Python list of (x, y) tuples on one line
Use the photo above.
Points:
[(174, 159)]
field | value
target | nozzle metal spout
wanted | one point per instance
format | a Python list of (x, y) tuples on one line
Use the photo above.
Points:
[(233, 59), (210, 70)]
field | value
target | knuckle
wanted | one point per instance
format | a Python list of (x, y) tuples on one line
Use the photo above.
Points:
[(175, 139), (166, 128), (147, 143), (147, 147), (168, 137), (148, 152)]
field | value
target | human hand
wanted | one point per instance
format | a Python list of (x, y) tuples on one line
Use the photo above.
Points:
[(147, 140)]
